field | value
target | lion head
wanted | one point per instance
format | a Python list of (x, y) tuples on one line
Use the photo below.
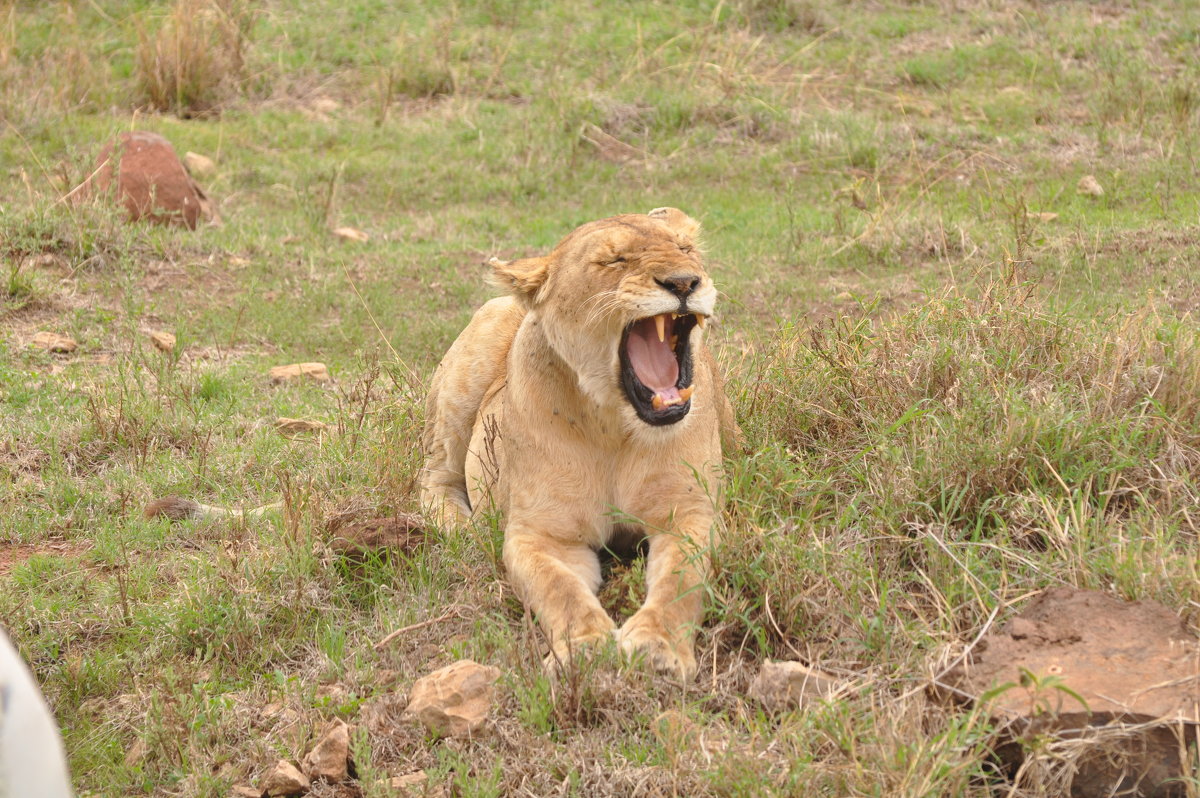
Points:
[(623, 302)]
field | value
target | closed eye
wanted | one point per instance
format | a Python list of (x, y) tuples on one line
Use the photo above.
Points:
[(617, 261)]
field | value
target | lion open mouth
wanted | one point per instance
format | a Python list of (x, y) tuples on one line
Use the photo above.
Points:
[(656, 366)]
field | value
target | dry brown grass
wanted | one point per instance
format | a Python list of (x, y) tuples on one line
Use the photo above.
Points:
[(197, 57)]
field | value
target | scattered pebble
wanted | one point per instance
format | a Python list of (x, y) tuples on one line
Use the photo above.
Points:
[(407, 780), (351, 234), (791, 685), (284, 424), (53, 342), (163, 341), (1089, 186), (198, 164)]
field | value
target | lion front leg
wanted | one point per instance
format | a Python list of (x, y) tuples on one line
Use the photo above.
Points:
[(664, 629), (558, 582)]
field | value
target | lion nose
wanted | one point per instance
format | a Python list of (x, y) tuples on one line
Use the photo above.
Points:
[(681, 285)]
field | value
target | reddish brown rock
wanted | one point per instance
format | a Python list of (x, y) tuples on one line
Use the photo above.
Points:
[(151, 182), (1082, 667), (454, 701)]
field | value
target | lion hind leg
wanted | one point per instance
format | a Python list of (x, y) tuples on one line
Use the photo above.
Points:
[(475, 363)]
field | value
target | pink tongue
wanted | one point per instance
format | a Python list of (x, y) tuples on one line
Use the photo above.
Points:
[(652, 360)]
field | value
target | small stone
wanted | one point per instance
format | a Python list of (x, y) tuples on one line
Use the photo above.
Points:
[(351, 234), (1041, 216), (163, 341), (843, 296), (1089, 186), (54, 342), (386, 677), (454, 701), (136, 753), (244, 791), (407, 780), (284, 424), (285, 779), (324, 105), (316, 371), (329, 760), (198, 164), (791, 685)]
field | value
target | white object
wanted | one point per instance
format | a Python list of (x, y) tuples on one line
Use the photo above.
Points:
[(31, 752)]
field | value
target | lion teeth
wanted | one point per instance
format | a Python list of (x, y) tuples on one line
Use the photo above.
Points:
[(660, 324), (701, 320), (657, 402), (686, 393)]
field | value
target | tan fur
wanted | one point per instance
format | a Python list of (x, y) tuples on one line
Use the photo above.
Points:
[(526, 414)]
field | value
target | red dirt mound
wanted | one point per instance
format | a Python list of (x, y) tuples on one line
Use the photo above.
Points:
[(152, 183)]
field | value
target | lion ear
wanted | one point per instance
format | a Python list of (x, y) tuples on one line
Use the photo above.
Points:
[(679, 222), (522, 278)]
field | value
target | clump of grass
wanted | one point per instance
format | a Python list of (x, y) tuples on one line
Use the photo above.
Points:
[(937, 450), (196, 58), (802, 15), (966, 400)]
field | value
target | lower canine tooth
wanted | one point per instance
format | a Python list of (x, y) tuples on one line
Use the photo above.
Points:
[(686, 393), (661, 325), (657, 402)]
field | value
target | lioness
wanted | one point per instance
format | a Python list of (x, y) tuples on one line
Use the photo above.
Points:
[(585, 406)]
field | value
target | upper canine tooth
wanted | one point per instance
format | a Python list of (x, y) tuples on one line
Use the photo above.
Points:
[(701, 320), (661, 325)]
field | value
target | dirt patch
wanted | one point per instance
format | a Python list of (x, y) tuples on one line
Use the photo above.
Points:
[(358, 537), (1115, 685), (13, 554)]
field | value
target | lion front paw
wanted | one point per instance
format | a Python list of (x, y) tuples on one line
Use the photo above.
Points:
[(645, 634), (565, 650)]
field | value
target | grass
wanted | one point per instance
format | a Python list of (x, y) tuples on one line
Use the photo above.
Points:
[(949, 401)]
